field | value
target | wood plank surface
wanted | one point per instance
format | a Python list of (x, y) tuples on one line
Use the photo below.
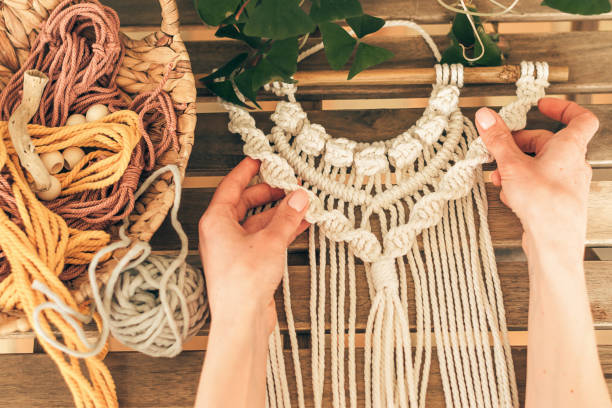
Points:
[(421, 11), (505, 228), (514, 280), (217, 150), (588, 74), (144, 382)]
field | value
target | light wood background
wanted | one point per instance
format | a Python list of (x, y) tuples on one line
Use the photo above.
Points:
[(533, 32)]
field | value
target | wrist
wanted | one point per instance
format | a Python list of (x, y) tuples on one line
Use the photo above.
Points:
[(232, 316)]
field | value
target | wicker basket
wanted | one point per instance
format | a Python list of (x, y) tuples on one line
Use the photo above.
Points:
[(143, 67)]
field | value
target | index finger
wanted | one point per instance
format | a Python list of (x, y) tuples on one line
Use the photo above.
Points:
[(233, 184), (581, 122)]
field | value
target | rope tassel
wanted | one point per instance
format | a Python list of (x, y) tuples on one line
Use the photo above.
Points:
[(388, 349)]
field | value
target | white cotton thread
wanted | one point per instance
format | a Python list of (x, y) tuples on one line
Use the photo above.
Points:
[(154, 324), (437, 164)]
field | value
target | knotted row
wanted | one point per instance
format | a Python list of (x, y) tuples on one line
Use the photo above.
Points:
[(530, 88), (276, 172), (456, 183), (370, 159)]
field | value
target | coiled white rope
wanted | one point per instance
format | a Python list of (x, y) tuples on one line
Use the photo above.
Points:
[(150, 303)]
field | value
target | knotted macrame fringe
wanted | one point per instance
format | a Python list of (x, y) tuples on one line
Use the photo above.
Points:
[(423, 241)]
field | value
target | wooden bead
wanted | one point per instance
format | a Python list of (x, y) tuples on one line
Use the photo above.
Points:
[(53, 161), (53, 192), (75, 119), (96, 112), (72, 155)]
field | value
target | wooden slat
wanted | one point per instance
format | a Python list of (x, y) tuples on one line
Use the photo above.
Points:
[(514, 282), (142, 381), (217, 151), (505, 228), (421, 11), (588, 74)]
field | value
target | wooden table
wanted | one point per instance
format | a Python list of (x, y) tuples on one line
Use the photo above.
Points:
[(367, 113)]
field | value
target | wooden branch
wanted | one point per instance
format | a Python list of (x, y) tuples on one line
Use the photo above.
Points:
[(504, 74), (34, 83)]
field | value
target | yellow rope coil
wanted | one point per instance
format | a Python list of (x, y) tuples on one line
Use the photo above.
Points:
[(40, 250)]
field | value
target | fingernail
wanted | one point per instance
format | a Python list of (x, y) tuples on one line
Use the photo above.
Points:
[(485, 118), (298, 200)]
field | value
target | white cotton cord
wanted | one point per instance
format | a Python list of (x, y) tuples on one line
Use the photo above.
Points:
[(476, 35), (297, 368), (437, 164), (505, 9), (389, 23), (176, 313)]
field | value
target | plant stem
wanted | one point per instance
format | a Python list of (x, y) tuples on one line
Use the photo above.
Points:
[(241, 9)]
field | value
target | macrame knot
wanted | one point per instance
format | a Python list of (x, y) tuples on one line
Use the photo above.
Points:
[(280, 88), (289, 116), (311, 139), (140, 320), (339, 152), (404, 151), (444, 99), (371, 160), (239, 119), (430, 128), (276, 169), (383, 274)]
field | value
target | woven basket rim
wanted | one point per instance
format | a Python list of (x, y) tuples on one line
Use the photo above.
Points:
[(182, 90)]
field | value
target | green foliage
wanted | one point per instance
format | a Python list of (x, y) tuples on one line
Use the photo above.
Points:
[(338, 44), (273, 31), (463, 37), (278, 19), (366, 56), (365, 24), (331, 10), (584, 7), (213, 12)]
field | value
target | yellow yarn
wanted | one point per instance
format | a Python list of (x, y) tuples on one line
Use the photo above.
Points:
[(46, 243)]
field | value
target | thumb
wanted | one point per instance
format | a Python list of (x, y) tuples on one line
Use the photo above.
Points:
[(285, 224), (497, 137)]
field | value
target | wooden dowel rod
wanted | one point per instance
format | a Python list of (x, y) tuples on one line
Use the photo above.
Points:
[(504, 74)]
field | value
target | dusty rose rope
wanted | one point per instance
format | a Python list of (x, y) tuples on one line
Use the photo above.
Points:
[(79, 48)]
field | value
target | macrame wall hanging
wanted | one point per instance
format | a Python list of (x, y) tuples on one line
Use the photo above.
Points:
[(424, 189)]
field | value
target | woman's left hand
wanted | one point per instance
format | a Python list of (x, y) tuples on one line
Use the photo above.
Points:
[(244, 261)]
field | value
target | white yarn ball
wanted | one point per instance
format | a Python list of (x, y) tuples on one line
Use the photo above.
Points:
[(137, 315)]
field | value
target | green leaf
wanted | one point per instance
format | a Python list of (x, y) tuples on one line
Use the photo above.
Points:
[(231, 31), (283, 56), (462, 29), (492, 54), (367, 56), (330, 10), (213, 12), (453, 55), (228, 68), (225, 90), (365, 24), (278, 63), (244, 83), (278, 20), (339, 44), (584, 7)]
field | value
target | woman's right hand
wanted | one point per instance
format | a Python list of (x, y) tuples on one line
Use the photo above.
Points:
[(548, 192)]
